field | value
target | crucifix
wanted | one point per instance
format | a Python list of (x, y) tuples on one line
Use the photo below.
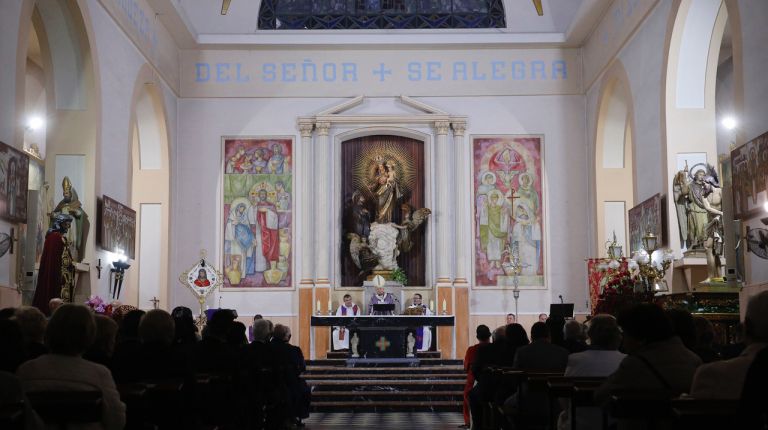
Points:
[(511, 197), (154, 301)]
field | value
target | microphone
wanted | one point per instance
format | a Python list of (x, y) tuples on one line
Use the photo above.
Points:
[(561, 298)]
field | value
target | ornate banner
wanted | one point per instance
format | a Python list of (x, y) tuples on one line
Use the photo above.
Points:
[(509, 212), (257, 211)]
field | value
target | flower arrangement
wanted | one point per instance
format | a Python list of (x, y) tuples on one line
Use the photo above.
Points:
[(99, 306), (619, 288)]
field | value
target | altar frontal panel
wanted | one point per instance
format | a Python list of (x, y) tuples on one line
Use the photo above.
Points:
[(257, 211), (509, 210)]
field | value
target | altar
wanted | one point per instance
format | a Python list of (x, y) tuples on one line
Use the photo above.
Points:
[(381, 336)]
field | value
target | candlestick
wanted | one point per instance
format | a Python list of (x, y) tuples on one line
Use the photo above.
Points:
[(432, 305), (445, 306), (318, 306)]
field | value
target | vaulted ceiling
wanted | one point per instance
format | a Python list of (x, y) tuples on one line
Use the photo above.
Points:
[(200, 23)]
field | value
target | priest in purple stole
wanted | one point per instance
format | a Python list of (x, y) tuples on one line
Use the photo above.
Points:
[(381, 297), (341, 334), (423, 334)]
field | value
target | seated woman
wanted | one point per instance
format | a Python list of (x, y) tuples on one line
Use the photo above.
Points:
[(69, 333)]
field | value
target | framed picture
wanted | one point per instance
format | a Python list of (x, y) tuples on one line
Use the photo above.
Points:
[(257, 210), (749, 171), (509, 210), (117, 229), (646, 217), (14, 175)]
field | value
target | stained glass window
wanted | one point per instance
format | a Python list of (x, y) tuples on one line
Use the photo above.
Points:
[(380, 14)]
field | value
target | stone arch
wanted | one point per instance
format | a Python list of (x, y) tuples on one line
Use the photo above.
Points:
[(150, 195), (614, 183), (68, 83), (694, 34)]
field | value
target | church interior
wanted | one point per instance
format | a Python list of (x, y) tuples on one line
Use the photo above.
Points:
[(399, 198)]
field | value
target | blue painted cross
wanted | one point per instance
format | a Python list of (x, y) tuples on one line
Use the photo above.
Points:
[(382, 344), (382, 72)]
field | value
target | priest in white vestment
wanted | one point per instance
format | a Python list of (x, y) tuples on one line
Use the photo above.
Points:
[(341, 334), (423, 334)]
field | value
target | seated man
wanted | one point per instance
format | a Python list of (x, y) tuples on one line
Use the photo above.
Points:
[(340, 334), (381, 298), (511, 319), (423, 334)]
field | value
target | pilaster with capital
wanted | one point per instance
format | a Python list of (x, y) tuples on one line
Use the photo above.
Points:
[(463, 204), (443, 214), (305, 204), (322, 212)]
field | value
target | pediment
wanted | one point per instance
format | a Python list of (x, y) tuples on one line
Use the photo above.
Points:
[(400, 105)]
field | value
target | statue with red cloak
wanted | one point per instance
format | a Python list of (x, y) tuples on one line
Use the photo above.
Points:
[(56, 277)]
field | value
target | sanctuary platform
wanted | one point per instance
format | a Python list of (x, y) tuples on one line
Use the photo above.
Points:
[(435, 385)]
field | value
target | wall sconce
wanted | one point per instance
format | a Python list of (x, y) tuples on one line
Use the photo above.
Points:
[(117, 274)]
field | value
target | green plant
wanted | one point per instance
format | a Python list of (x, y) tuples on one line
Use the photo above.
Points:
[(399, 275)]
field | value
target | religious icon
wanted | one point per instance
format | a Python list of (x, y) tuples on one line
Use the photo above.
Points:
[(257, 212), (508, 210), (202, 279), (14, 174)]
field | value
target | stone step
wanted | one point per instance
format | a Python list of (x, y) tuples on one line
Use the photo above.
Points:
[(383, 407), (400, 393), (385, 382), (345, 354), (422, 362), (379, 375)]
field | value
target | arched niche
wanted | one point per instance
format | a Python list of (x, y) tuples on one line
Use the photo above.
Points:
[(614, 184), (690, 116), (57, 80), (148, 278)]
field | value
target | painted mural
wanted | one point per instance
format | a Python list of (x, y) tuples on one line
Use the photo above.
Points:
[(509, 212), (14, 174), (749, 167), (257, 208)]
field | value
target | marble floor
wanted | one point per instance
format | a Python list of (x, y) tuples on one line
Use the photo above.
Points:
[(384, 420)]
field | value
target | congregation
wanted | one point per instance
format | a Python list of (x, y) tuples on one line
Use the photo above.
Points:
[(217, 379), (645, 353), (150, 369)]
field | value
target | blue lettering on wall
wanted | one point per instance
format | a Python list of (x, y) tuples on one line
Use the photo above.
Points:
[(139, 20), (202, 72), (416, 71)]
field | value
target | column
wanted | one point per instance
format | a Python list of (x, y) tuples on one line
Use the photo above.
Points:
[(303, 192), (304, 203), (443, 214), (463, 205), (322, 212)]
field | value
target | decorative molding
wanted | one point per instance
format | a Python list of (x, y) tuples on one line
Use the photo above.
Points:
[(441, 127), (339, 108), (421, 105), (323, 128), (306, 129), (459, 128)]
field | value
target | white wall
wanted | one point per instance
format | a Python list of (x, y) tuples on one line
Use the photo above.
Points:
[(197, 221)]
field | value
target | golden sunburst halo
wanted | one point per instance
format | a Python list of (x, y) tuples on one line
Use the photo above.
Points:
[(378, 150)]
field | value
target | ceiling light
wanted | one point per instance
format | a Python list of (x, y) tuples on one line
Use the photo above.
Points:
[(35, 123), (729, 123), (225, 6), (539, 7)]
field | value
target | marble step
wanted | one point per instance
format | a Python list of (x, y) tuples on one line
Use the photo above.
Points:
[(385, 382), (422, 362), (420, 369), (379, 375), (447, 393), (410, 405)]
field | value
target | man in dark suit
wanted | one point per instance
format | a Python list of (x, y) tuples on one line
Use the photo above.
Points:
[(541, 355)]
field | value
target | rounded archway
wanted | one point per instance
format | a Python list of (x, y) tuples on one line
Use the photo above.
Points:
[(614, 160), (149, 193)]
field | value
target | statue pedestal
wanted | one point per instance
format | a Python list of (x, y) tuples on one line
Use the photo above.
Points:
[(690, 272)]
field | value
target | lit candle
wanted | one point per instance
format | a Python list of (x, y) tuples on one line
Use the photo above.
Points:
[(445, 306), (432, 305), (318, 306)]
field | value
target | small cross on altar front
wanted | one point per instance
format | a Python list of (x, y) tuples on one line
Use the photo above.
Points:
[(382, 344), (154, 301)]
